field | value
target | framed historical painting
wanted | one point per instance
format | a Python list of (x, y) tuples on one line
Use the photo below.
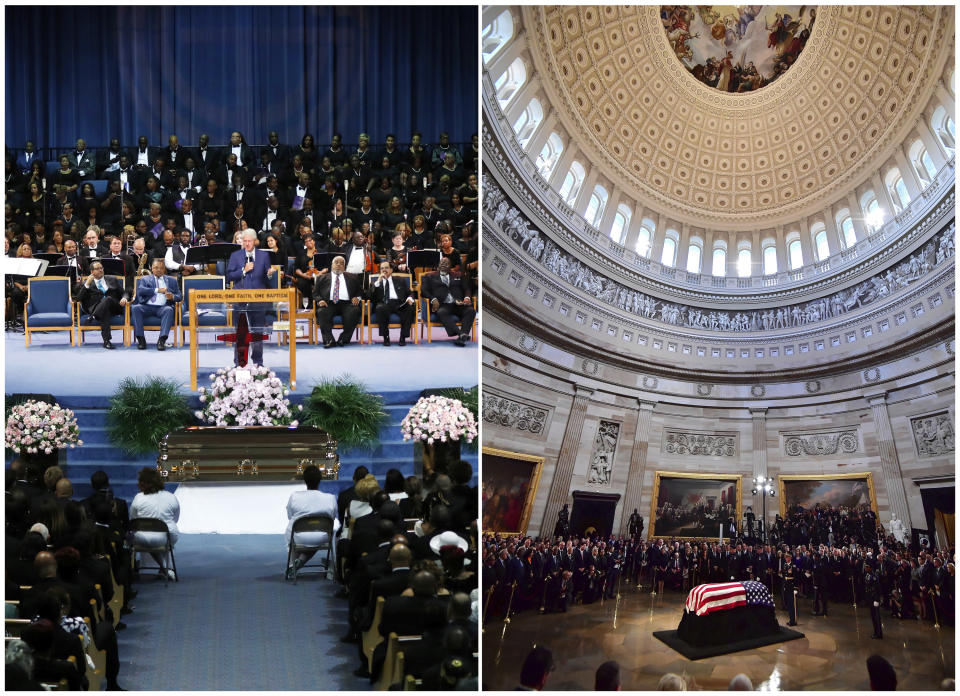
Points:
[(694, 506), (510, 481), (835, 490)]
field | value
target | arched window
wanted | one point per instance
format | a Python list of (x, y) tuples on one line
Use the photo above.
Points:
[(496, 35), (744, 263), (795, 253), (694, 258), (645, 237), (873, 214), (719, 262), (669, 255), (769, 260), (848, 235), (528, 122), (922, 163), (510, 82), (598, 201), (944, 127), (927, 163), (549, 155), (621, 223), (572, 183), (897, 189)]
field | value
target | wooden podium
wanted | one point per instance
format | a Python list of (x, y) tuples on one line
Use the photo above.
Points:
[(232, 300)]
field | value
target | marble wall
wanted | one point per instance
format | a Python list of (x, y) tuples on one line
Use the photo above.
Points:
[(834, 433)]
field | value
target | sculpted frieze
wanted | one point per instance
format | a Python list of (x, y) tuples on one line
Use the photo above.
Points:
[(821, 444), (604, 448), (511, 413), (699, 444), (933, 434), (571, 270)]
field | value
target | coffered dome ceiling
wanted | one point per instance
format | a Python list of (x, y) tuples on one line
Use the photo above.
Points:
[(722, 159)]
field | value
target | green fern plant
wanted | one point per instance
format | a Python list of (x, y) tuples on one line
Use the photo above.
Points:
[(141, 413), (344, 409)]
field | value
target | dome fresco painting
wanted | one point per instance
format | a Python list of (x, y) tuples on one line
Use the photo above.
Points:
[(738, 48)]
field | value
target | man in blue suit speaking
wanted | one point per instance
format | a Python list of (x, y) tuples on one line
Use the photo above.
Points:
[(156, 296), (249, 269)]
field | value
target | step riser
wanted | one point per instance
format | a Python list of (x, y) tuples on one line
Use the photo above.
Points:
[(98, 453)]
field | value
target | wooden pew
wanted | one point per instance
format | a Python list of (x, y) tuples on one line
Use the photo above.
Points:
[(371, 637)]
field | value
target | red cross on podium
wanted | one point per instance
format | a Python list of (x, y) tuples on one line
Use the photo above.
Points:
[(242, 338)]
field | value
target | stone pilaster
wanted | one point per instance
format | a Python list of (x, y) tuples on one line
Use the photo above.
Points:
[(759, 418), (889, 461), (563, 474), (638, 465)]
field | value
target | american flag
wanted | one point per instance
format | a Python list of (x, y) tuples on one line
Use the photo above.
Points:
[(708, 598)]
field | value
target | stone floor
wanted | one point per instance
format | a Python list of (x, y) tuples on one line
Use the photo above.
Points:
[(832, 656)]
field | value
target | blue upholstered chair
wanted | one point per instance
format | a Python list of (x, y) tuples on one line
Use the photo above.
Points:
[(86, 322), (49, 307), (212, 317), (337, 324), (99, 186)]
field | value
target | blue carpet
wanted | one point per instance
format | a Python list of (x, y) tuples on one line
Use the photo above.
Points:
[(94, 370), (233, 623)]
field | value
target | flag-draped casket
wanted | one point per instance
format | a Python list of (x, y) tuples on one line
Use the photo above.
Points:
[(720, 613)]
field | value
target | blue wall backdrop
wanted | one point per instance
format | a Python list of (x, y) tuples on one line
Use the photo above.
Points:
[(102, 72)]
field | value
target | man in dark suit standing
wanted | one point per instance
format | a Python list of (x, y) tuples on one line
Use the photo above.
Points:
[(144, 155), (206, 158), (103, 297), (337, 293), (26, 158), (249, 269), (82, 160), (392, 295), (450, 298), (174, 155), (156, 296), (279, 153), (108, 161)]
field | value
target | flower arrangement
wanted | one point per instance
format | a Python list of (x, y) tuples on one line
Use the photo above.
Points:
[(253, 395), (37, 426), (439, 419)]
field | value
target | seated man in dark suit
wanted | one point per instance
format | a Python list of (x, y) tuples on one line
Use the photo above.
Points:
[(449, 297), (337, 293), (156, 296), (103, 297), (71, 256), (392, 295), (46, 569), (409, 616)]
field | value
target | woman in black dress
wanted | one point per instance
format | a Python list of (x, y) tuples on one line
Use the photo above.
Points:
[(308, 152), (36, 205), (65, 178), (393, 214), (458, 214), (210, 201), (86, 199)]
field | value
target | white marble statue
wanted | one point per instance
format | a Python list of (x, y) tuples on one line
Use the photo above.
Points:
[(897, 529)]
